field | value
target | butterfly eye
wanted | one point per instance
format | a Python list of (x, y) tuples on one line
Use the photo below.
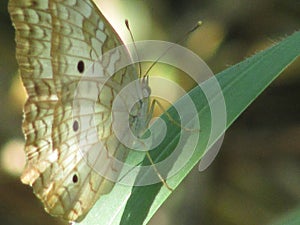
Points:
[(80, 66), (75, 178), (75, 126)]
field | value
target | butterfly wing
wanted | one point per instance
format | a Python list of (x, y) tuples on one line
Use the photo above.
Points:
[(56, 42), (33, 25)]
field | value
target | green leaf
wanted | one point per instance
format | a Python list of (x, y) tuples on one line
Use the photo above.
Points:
[(240, 85), (290, 218)]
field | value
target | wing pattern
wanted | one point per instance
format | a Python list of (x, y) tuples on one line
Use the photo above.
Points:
[(57, 42)]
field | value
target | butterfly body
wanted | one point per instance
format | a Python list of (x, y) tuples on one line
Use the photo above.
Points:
[(57, 42)]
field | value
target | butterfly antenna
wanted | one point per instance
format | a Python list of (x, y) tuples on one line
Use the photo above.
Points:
[(199, 23), (134, 45)]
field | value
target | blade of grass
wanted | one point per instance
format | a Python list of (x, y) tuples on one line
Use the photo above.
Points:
[(240, 84), (290, 218)]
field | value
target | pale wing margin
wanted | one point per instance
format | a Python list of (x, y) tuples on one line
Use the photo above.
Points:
[(32, 21)]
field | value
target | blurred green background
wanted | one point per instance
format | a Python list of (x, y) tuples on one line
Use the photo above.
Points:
[(256, 176)]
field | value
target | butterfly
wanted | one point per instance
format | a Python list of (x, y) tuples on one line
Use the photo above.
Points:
[(57, 43)]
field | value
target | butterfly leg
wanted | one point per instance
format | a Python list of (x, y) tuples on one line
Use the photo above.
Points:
[(148, 154), (171, 119)]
